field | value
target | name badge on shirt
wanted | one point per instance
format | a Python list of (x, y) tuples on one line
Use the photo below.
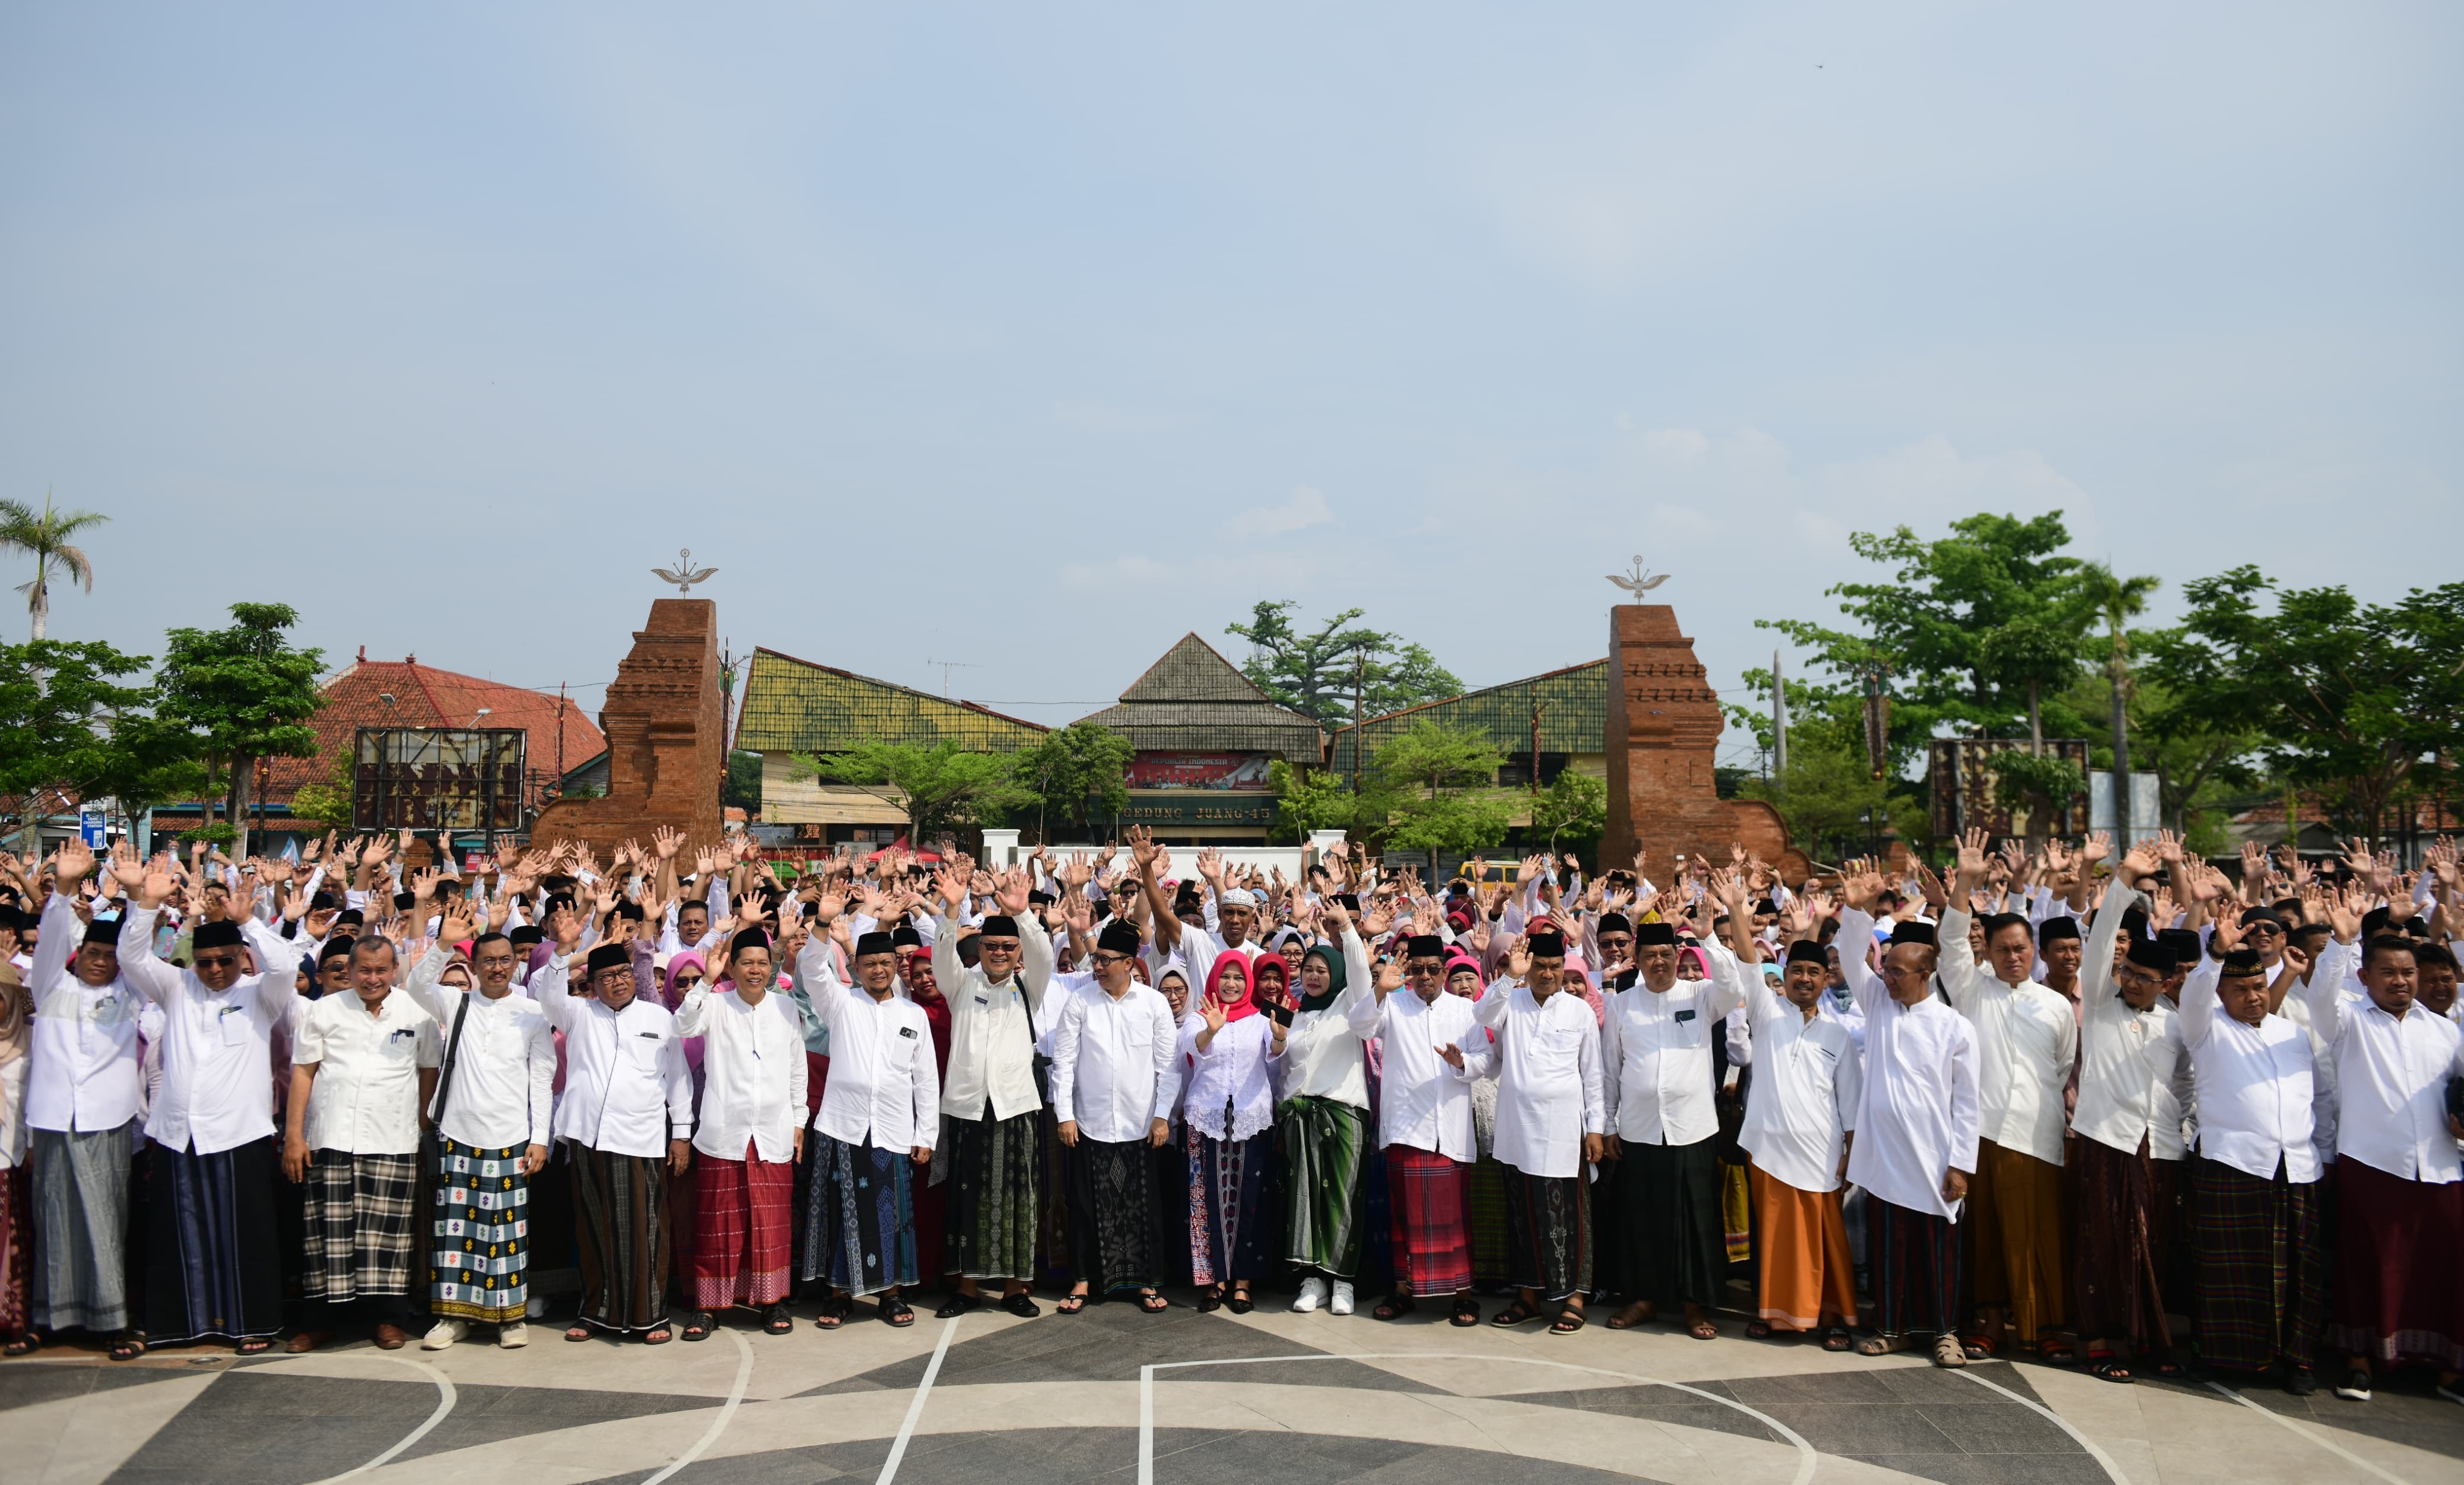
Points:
[(1684, 1015), (981, 1001), (907, 1031)]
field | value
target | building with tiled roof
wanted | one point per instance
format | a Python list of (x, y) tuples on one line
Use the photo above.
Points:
[(1205, 736), (1543, 724), (561, 736)]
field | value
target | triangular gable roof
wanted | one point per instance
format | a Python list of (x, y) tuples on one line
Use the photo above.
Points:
[(1194, 670)]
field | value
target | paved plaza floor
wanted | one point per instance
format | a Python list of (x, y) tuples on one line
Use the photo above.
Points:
[(1178, 1399)]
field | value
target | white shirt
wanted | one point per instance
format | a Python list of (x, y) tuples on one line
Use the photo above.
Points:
[(1423, 1100), (884, 1085), (503, 1091), (1809, 1080), (992, 1050), (1919, 1120), (753, 1073), (366, 1097), (217, 1045), (1656, 1048), (1113, 1061), (2134, 1080), (626, 1088), (1322, 1054), (1227, 1091), (2027, 1038), (2254, 1087), (83, 1072), (1548, 1092), (2392, 1077)]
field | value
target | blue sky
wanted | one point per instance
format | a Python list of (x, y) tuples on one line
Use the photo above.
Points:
[(1033, 337)]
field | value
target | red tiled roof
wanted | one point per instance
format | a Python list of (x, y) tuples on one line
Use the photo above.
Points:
[(425, 696)]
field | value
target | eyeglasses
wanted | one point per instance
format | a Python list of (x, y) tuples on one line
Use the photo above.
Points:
[(1108, 960), (217, 961)]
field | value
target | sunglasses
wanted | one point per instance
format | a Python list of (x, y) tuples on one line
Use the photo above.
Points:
[(217, 961)]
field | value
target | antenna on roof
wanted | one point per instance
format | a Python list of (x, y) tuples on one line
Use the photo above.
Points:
[(948, 665)]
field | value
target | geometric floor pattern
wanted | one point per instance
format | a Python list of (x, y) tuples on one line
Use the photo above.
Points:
[(1177, 1399)]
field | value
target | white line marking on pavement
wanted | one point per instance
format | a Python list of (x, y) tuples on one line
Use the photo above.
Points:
[(726, 1411), (445, 1396), (1805, 1451), (2112, 1471), (914, 1406), (2329, 1445)]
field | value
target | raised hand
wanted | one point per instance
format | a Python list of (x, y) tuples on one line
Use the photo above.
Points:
[(667, 840), (1518, 958), (1010, 892), (1210, 866), (72, 863), (1453, 1055)]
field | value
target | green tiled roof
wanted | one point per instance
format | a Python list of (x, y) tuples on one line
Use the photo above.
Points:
[(794, 704), (1574, 714), (1193, 700)]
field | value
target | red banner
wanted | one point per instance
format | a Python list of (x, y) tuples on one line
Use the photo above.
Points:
[(1198, 770)]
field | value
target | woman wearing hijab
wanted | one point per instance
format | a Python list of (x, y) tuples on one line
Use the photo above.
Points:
[(17, 1216), (1229, 1054), (1324, 1120), (1170, 1178)]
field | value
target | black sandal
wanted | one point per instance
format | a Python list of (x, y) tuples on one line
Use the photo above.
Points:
[(1240, 1304), (959, 1303), (2109, 1366), (835, 1311), (1021, 1305), (1466, 1311), (1569, 1321), (776, 1321), (1210, 1301), (1837, 1339), (255, 1346), (1071, 1303), (1153, 1303), (895, 1311), (1759, 1330), (130, 1346), (699, 1325), (25, 1345), (1395, 1307), (658, 1335), (1516, 1314)]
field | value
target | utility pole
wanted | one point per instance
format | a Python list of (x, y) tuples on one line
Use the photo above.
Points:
[(948, 665), (1779, 716), (1359, 680), (1537, 707)]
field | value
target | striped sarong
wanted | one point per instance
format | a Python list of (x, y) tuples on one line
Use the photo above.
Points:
[(1432, 1239), (1322, 1142), (80, 1201), (358, 1213), (479, 1252), (860, 1223), (745, 1245), (1549, 1233), (1913, 1257), (213, 1256), (2262, 1290), (996, 1168), (620, 1204)]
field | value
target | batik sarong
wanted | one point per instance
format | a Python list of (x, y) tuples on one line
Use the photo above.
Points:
[(479, 1252), (860, 1227)]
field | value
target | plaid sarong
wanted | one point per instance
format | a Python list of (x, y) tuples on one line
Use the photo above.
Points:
[(860, 1220), (1322, 1142), (995, 1170), (745, 1242), (1549, 1233), (1914, 1260), (1227, 1200), (2262, 1291), (1432, 1240), (620, 1205), (479, 1260), (358, 1213)]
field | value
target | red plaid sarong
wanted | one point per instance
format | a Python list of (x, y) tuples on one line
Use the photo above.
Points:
[(1432, 1238), (744, 1238)]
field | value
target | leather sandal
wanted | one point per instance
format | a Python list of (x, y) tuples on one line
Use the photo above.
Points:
[(895, 1311), (1516, 1314), (1395, 1307), (1467, 1310), (1153, 1303), (776, 1321), (960, 1303), (1021, 1305), (699, 1324)]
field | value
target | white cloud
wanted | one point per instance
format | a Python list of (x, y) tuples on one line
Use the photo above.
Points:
[(1305, 507), (1132, 571)]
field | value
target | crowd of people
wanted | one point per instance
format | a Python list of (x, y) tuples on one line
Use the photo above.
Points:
[(2133, 1112)]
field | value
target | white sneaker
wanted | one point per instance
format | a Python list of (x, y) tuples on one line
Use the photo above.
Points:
[(1341, 1303), (444, 1334), (513, 1336), (1312, 1295)]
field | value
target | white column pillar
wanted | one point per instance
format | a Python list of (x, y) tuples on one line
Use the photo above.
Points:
[(1000, 848), (1320, 840)]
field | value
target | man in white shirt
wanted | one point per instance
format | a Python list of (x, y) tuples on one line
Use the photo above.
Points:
[(1800, 1125), (494, 1101), (82, 1092), (2262, 1290), (1656, 1048), (625, 1119), (2027, 1039), (750, 1136), (213, 1255), (1323, 1118), (2134, 1085), (2399, 1226), (1114, 1078), (990, 1097), (877, 1120), (362, 1065), (1433, 1052), (1551, 1121), (1916, 1132)]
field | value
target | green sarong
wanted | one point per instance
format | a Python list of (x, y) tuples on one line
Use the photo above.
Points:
[(1323, 1141)]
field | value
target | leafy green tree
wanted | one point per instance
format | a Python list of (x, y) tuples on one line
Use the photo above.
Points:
[(1308, 800), (939, 786), (1436, 756), (1314, 672), (246, 694), (2118, 600), (327, 803), (1828, 796), (71, 728), (1442, 777), (47, 539), (1461, 823), (2349, 698), (1574, 807), (742, 789), (1073, 767)]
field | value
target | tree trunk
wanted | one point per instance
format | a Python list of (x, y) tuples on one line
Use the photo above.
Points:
[(243, 774), (41, 606), (2121, 790), (2035, 722)]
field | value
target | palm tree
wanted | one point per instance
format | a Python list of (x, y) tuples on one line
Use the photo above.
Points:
[(2120, 601), (46, 539)]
